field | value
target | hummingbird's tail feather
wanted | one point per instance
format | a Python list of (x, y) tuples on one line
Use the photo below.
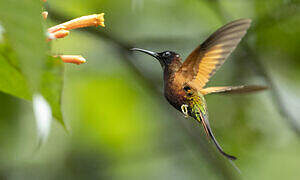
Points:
[(205, 123), (218, 145), (199, 112), (233, 89), (235, 166)]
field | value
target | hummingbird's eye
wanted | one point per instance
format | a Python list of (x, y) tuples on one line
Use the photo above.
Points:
[(167, 54)]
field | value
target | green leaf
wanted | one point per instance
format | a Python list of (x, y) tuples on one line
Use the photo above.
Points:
[(25, 68), (52, 85), (22, 22), (12, 80)]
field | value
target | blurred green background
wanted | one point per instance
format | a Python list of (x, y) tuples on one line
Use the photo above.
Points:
[(120, 125)]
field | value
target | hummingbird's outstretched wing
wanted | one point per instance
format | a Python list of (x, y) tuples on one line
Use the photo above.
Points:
[(206, 59), (232, 89)]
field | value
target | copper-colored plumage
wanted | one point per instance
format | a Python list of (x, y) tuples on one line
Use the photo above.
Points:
[(206, 59), (184, 82)]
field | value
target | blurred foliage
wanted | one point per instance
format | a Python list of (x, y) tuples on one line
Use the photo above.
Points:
[(18, 27), (12, 81), (121, 125), (25, 68), (15, 83)]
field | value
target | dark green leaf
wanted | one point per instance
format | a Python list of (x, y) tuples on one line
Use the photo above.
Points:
[(23, 28), (22, 23), (12, 81), (52, 84)]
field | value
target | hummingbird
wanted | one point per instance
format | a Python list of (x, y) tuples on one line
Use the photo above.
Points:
[(184, 82)]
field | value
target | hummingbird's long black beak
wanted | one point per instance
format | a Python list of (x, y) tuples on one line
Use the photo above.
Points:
[(153, 54)]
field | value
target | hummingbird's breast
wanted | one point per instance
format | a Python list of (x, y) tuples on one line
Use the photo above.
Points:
[(173, 89), (174, 93)]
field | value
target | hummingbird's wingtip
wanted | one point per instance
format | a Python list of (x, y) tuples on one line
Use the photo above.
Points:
[(244, 20)]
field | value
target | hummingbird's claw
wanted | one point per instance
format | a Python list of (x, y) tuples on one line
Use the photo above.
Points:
[(185, 110)]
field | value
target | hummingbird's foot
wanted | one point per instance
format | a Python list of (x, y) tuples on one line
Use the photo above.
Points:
[(184, 109)]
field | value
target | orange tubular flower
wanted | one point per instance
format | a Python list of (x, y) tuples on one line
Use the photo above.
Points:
[(62, 30), (75, 59), (45, 14), (84, 21), (58, 34)]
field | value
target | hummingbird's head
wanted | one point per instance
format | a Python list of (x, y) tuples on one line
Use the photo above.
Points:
[(165, 58)]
